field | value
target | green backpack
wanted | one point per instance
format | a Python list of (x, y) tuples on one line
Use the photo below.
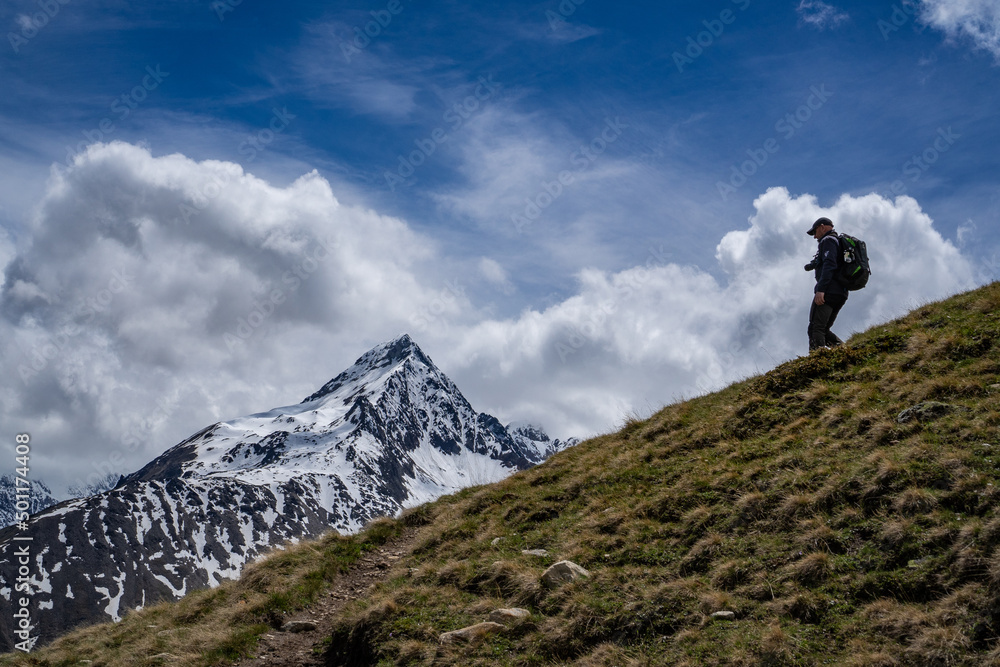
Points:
[(853, 270)]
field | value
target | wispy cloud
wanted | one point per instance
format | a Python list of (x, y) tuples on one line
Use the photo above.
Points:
[(557, 24), (495, 275), (820, 14), (977, 20), (334, 73)]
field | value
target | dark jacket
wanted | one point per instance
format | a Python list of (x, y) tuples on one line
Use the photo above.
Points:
[(827, 262)]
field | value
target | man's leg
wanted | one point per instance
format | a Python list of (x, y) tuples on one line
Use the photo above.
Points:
[(836, 302), (819, 325)]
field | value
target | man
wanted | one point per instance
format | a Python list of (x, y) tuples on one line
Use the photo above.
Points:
[(830, 296)]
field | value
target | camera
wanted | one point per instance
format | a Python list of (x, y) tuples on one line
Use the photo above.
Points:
[(811, 266)]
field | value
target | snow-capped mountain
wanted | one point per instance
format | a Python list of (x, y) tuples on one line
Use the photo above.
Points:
[(390, 432), (534, 437), (38, 495)]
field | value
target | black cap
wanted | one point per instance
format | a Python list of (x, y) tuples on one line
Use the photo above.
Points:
[(821, 221)]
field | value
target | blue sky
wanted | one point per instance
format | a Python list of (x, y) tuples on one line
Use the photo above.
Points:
[(491, 172)]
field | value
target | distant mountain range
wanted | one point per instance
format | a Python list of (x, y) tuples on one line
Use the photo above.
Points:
[(39, 497), (390, 432)]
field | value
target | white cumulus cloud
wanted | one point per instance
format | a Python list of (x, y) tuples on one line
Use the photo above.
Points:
[(977, 20)]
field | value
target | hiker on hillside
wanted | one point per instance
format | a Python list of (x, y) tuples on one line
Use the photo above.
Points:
[(829, 295)]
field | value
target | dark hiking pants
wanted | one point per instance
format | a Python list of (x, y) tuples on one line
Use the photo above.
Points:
[(821, 318)]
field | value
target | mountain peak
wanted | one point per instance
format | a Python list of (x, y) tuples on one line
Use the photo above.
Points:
[(397, 349), (382, 356)]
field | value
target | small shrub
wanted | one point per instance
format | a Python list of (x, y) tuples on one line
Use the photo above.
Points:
[(898, 621), (803, 607), (811, 569), (716, 601), (697, 518), (730, 575), (915, 501), (750, 508), (819, 538), (606, 655), (795, 505), (702, 553), (865, 658), (775, 646), (938, 647), (894, 534)]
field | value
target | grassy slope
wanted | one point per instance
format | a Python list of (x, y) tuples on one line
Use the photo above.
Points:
[(795, 499), (215, 627)]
